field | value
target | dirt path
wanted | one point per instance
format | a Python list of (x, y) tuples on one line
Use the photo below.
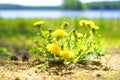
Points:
[(23, 71)]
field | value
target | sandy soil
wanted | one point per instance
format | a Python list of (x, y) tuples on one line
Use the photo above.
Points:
[(18, 70)]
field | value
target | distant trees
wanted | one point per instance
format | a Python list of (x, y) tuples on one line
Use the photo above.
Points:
[(104, 5), (72, 5), (77, 5), (12, 6)]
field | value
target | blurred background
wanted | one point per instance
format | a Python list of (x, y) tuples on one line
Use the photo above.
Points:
[(60, 8), (18, 16)]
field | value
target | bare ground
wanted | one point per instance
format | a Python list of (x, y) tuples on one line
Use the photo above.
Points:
[(18, 70)]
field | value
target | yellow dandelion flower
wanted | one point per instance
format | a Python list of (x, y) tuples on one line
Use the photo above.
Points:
[(79, 35), (53, 48), (87, 23), (59, 33), (95, 27), (83, 23), (38, 23), (90, 24), (66, 54)]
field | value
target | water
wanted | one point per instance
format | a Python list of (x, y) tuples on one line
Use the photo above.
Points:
[(107, 14)]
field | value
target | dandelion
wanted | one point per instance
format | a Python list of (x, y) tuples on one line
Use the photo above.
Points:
[(50, 30), (83, 23), (87, 23), (38, 23), (66, 54), (53, 48), (59, 33), (90, 24), (95, 27)]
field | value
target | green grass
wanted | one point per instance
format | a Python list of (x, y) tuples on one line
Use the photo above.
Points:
[(20, 29)]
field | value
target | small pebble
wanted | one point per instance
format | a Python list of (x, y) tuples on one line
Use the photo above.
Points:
[(98, 75)]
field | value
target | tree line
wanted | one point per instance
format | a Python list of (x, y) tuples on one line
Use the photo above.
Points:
[(70, 5), (104, 5)]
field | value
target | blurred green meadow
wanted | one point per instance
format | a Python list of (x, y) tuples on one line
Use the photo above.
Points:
[(20, 31)]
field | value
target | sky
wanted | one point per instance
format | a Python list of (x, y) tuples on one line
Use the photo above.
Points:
[(42, 2)]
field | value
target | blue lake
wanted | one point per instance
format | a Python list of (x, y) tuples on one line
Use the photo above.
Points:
[(107, 14)]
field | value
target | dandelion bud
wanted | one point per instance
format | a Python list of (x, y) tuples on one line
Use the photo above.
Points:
[(73, 30), (50, 30), (65, 25)]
